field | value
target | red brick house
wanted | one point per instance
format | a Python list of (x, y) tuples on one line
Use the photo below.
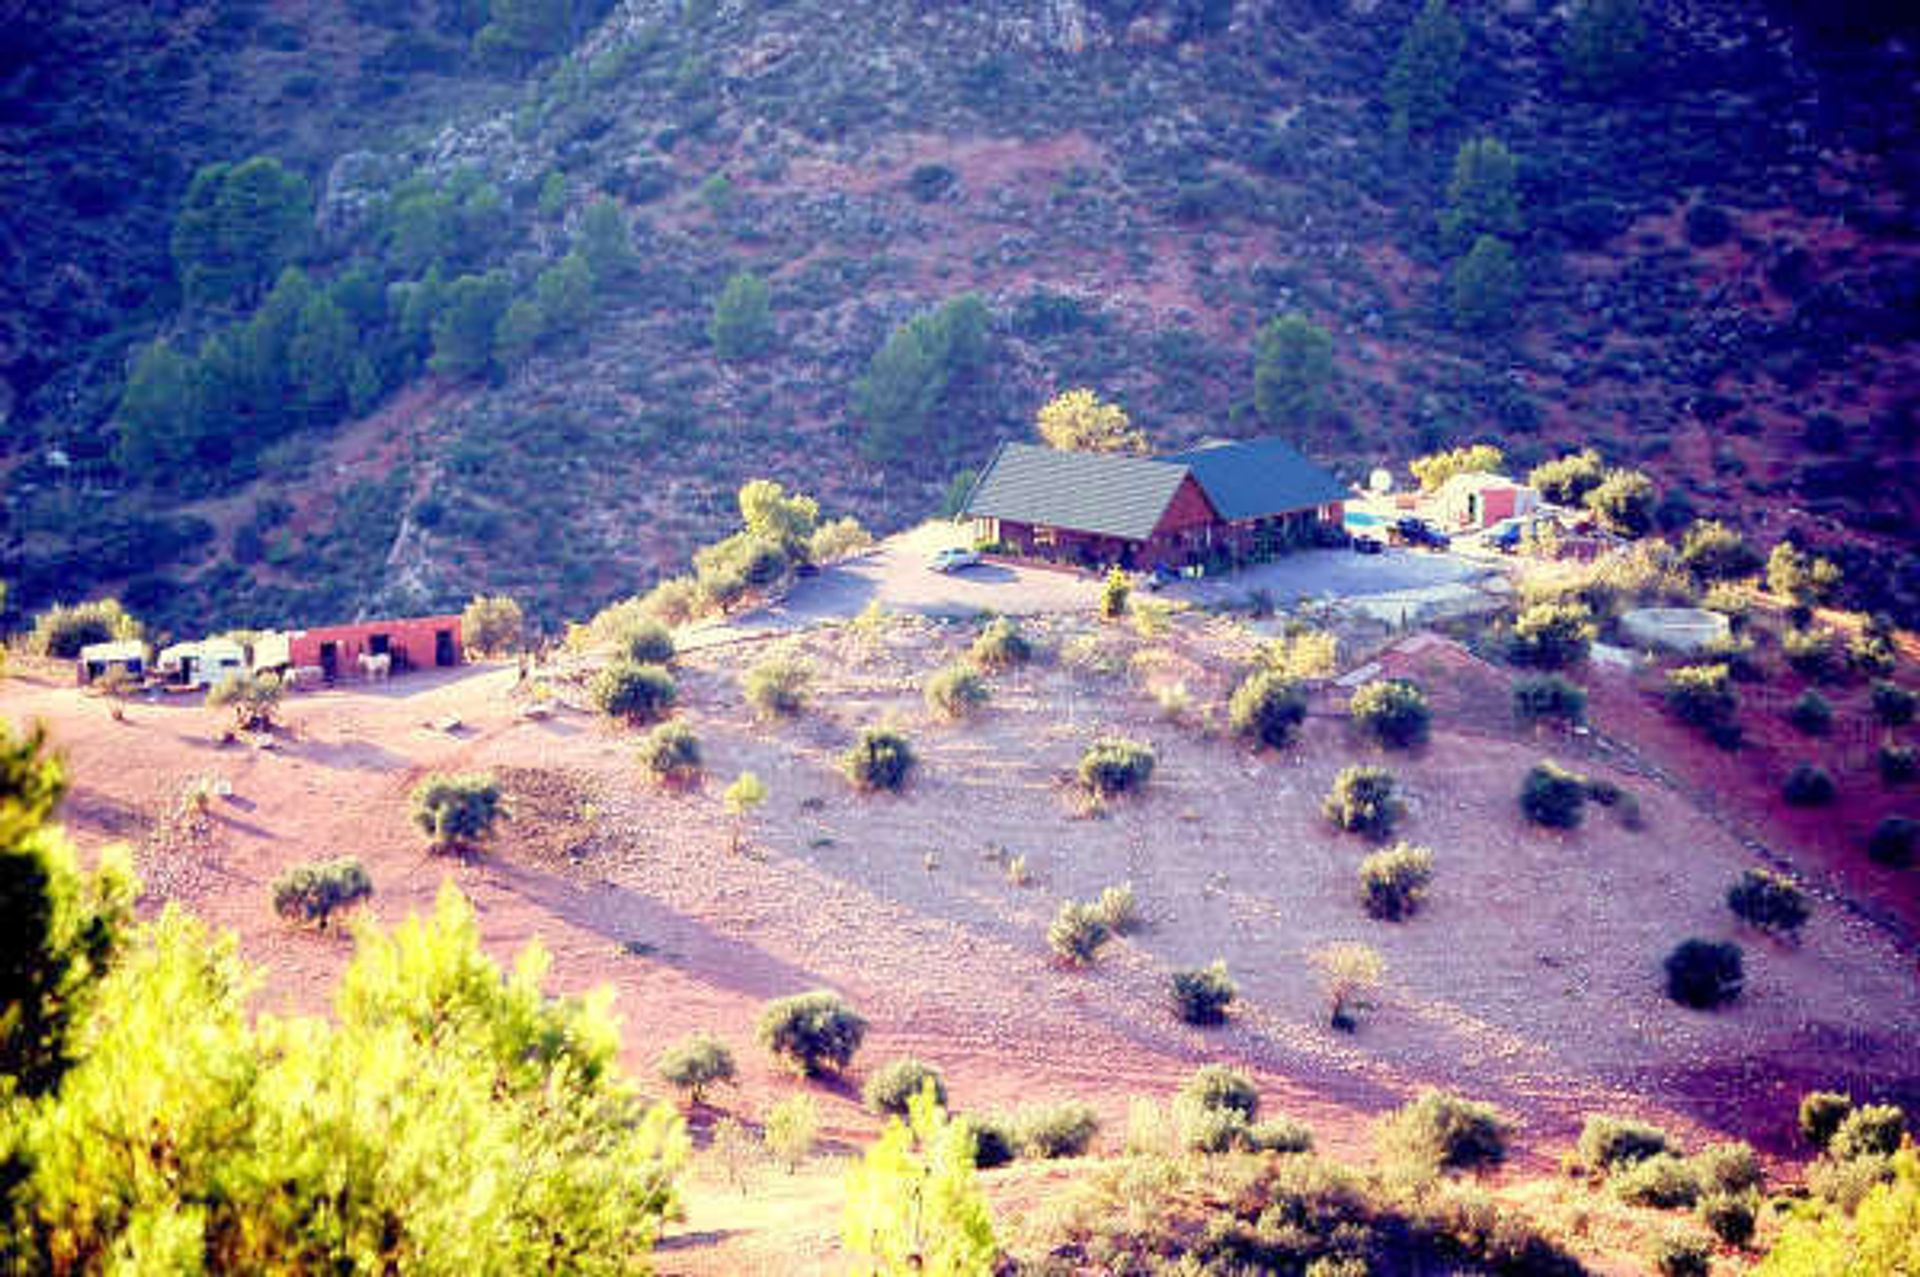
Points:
[(413, 643), (1220, 502)]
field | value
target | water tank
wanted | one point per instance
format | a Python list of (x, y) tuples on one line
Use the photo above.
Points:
[(1380, 482)]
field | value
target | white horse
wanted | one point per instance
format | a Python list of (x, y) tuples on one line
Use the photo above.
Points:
[(376, 665)]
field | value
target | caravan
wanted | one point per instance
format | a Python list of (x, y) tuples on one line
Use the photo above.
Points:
[(202, 664)]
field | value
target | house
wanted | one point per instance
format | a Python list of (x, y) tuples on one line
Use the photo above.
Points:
[(202, 664), (1480, 500), (124, 656), (1219, 502), (410, 643)]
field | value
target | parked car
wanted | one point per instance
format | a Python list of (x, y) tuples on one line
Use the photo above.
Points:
[(952, 559), (1417, 531), (1507, 534), (1369, 545)]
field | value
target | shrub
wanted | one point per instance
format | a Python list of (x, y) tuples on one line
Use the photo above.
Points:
[(1811, 714), (1821, 1113), (1553, 796), (1727, 1168), (1703, 974), (812, 1033), (638, 693), (1702, 695), (1363, 801), (253, 698), (1077, 932), (1738, 654), (648, 643), (1394, 882), (1203, 994), (1267, 709), (1350, 972), (1608, 1142), (1115, 765), (313, 892), (1567, 480), (1548, 696), (1872, 1130), (791, 1127), (1062, 1129), (671, 753), (1729, 1216), (1000, 646), (777, 687), (1899, 764), (694, 1063), (1844, 1185), (898, 1081), (1894, 842), (457, 810), (1769, 901), (61, 631), (1714, 552), (880, 759), (1445, 1132), (956, 691), (1663, 1181), (1807, 785), (1394, 712), (1624, 503), (1815, 654), (1113, 595), (492, 624), (1894, 705), (1279, 1135), (994, 1141), (1118, 909), (1216, 1086), (1552, 636), (1682, 1254)]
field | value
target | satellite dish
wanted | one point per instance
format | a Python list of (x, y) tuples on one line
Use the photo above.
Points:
[(1380, 482)]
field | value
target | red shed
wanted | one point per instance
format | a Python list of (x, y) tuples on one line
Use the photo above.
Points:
[(413, 643)]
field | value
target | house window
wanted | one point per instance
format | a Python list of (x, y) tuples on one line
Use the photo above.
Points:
[(1048, 537)]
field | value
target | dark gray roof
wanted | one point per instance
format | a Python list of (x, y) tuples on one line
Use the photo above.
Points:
[(1256, 477), (1102, 493)]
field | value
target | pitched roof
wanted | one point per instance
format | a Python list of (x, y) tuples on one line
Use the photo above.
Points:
[(1256, 477), (1102, 493)]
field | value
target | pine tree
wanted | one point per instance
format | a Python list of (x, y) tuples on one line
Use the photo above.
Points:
[(1483, 197), (1426, 70), (1292, 368)]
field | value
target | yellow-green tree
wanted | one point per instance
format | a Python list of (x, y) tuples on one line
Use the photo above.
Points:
[(1882, 1237), (1080, 421), (913, 1205), (1434, 469)]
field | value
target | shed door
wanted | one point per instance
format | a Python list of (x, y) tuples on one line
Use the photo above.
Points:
[(443, 653)]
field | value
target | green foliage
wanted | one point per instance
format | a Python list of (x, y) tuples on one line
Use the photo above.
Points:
[(1080, 421), (1894, 705), (1115, 765), (1000, 646), (1267, 708), (769, 515), (237, 227), (253, 698), (956, 691), (1898, 764), (1218, 1087), (61, 631), (456, 811), (1552, 636), (1292, 370), (905, 398), (1394, 882), (313, 892), (912, 1202), (1442, 1131), (1883, 1235), (1605, 45), (694, 1063), (1077, 932), (1800, 577), (1062, 1129), (1114, 592), (1769, 901), (1811, 714), (741, 327), (1483, 195), (1663, 1181), (1894, 842), (1727, 1168), (1425, 74), (464, 328), (1435, 468), (1821, 1113), (446, 1118), (1350, 972), (671, 753), (891, 1087), (1608, 1143), (1118, 909), (1812, 653), (837, 539), (1703, 974), (995, 1142), (633, 691), (777, 686), (1568, 479), (606, 244), (564, 294), (1703, 696), (1363, 801), (1392, 711), (61, 926), (647, 643), (1712, 551), (1808, 785), (1624, 503), (1548, 696), (523, 31), (1682, 1254), (1203, 994), (1553, 796), (160, 410), (1730, 1217), (792, 1125), (812, 1033), (880, 759), (492, 624), (1871, 1130)]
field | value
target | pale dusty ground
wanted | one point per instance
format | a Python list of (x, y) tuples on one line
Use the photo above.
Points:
[(1532, 978)]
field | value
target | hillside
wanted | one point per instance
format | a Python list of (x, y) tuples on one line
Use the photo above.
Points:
[(1716, 252)]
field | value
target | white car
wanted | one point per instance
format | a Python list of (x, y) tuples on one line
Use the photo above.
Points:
[(952, 559)]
